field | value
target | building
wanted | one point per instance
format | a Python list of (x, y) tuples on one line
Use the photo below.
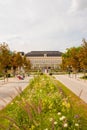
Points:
[(44, 59)]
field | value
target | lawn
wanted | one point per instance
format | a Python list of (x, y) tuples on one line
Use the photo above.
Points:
[(45, 104)]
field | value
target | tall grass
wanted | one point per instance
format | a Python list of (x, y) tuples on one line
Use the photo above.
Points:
[(42, 106)]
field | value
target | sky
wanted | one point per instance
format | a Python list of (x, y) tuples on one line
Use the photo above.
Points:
[(43, 25)]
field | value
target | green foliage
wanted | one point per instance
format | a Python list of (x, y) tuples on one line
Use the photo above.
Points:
[(79, 107), (5, 57), (12, 60), (75, 57), (83, 55), (26, 64), (42, 106), (84, 77), (71, 58)]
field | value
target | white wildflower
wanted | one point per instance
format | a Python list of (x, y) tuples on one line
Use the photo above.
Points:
[(65, 125), (55, 122), (62, 118), (76, 124), (51, 119), (59, 113)]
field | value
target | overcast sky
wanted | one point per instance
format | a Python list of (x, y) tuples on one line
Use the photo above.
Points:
[(30, 25)]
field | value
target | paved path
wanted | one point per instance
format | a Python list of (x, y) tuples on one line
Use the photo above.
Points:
[(76, 85), (10, 89)]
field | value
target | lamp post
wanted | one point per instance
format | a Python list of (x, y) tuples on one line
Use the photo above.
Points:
[(69, 67)]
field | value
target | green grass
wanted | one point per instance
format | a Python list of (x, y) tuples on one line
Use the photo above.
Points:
[(78, 105), (42, 106), (84, 77)]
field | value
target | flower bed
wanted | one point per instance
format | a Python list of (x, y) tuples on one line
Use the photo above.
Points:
[(42, 106)]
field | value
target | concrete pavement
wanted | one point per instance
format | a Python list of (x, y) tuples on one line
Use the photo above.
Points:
[(75, 84), (10, 89)]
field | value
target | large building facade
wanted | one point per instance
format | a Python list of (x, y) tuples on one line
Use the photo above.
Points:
[(44, 59)]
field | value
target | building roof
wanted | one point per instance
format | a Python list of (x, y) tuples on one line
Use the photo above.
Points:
[(43, 53)]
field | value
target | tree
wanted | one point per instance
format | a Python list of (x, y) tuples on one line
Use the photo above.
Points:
[(27, 64), (83, 55), (70, 59), (5, 58), (13, 60), (16, 62)]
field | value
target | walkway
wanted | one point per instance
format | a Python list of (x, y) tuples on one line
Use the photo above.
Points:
[(10, 89), (75, 84)]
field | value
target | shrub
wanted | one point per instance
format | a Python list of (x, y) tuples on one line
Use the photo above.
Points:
[(84, 77), (50, 73)]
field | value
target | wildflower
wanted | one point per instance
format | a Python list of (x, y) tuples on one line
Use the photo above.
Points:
[(55, 122), (65, 125), (59, 113), (46, 129), (40, 90), (76, 116), (62, 118), (76, 124), (66, 104), (32, 127), (51, 119)]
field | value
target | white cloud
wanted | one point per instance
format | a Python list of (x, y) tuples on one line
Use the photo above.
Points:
[(78, 5), (42, 24)]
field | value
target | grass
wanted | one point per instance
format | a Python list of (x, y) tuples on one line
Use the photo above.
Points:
[(78, 105), (45, 104), (84, 77)]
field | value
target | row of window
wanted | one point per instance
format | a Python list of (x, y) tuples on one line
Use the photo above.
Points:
[(45, 61)]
